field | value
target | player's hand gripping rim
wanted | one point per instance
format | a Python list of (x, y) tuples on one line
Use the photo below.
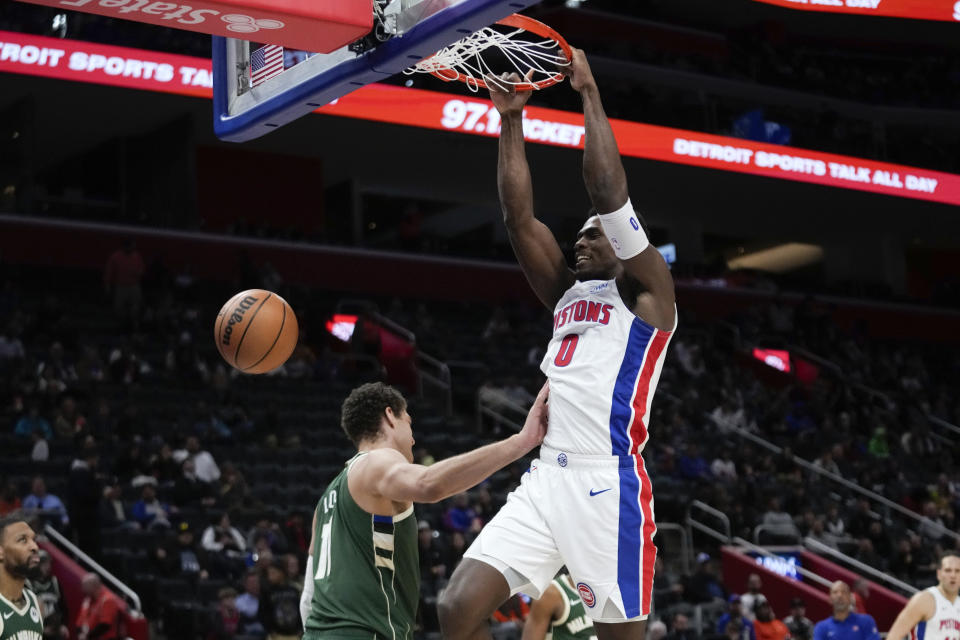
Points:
[(504, 94)]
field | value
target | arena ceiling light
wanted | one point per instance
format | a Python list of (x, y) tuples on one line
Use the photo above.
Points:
[(779, 259)]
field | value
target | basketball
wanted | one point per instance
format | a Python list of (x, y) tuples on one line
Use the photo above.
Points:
[(256, 331)]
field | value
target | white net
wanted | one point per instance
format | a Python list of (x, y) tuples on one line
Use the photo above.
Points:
[(489, 54)]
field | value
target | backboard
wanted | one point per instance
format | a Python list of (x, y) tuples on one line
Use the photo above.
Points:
[(259, 88)]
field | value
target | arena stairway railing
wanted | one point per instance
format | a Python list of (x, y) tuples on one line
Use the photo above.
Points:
[(949, 432), (875, 574), (889, 506)]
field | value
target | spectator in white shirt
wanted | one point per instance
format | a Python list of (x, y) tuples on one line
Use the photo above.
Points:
[(205, 467)]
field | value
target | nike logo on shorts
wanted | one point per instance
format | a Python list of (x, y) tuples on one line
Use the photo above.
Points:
[(596, 493)]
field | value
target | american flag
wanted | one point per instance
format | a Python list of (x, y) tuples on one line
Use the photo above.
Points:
[(265, 63)]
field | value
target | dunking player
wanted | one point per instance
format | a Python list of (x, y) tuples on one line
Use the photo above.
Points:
[(934, 613), (587, 501), (363, 574), (20, 617)]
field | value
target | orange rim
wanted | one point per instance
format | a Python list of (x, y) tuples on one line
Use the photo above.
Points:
[(527, 24)]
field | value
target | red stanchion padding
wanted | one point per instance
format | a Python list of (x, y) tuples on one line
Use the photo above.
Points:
[(320, 27)]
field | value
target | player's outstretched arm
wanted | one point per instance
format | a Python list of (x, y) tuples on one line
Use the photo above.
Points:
[(533, 243), (543, 612), (920, 607), (606, 183), (386, 473)]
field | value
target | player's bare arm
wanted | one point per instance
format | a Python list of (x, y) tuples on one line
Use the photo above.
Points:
[(384, 476), (921, 607), (533, 243), (543, 612), (647, 274)]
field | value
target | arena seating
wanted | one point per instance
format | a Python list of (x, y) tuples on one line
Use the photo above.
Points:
[(279, 433)]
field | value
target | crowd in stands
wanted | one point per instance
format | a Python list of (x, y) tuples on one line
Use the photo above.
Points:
[(131, 436)]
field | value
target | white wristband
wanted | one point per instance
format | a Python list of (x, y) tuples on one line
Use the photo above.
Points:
[(306, 598), (624, 231)]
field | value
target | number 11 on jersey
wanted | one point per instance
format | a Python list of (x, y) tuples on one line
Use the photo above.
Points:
[(323, 563)]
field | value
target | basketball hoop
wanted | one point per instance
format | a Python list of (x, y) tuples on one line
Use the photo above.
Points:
[(514, 44)]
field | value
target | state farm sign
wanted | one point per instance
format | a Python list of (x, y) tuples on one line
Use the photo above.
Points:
[(312, 26)]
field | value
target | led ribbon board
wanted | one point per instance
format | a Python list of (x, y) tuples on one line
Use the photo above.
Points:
[(140, 69), (948, 10)]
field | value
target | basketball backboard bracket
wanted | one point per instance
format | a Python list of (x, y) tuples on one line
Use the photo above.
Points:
[(413, 31)]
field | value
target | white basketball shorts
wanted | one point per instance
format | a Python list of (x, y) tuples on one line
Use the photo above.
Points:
[(593, 514)]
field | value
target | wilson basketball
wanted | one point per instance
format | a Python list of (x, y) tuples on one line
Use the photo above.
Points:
[(256, 331)]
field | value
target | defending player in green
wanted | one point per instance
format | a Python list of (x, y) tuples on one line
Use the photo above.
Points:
[(363, 575), (20, 617)]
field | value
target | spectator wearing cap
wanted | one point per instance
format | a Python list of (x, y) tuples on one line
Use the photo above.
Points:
[(845, 624), (181, 557), (800, 626), (704, 586), (735, 614), (765, 625)]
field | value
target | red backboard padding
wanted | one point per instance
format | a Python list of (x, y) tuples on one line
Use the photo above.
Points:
[(320, 27)]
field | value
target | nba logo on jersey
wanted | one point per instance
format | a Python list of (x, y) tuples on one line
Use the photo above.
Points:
[(600, 287), (586, 594), (562, 459)]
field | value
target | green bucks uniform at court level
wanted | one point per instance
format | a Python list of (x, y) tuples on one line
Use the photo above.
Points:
[(21, 623), (366, 570), (576, 624)]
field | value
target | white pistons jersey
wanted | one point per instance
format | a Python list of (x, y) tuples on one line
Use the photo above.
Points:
[(603, 364), (945, 623)]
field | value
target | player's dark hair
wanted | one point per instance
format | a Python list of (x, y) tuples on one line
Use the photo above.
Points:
[(363, 409), (947, 554), (6, 521)]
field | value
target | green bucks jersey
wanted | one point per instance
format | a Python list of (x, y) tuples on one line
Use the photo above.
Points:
[(574, 623), (367, 573), (21, 623)]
